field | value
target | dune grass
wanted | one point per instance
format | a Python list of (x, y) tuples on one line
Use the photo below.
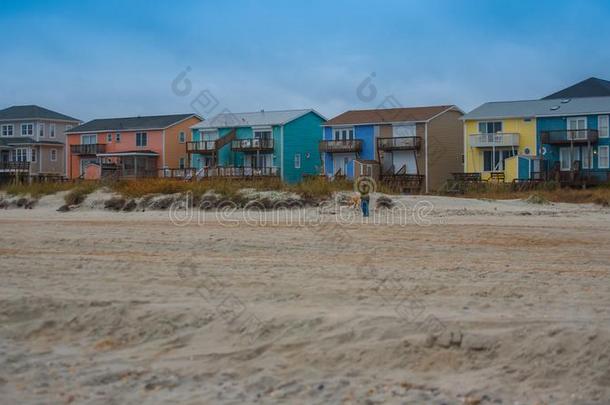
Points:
[(36, 190), (545, 192), (228, 187), (80, 191)]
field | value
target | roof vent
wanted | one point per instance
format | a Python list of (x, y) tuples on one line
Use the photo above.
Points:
[(565, 100), (555, 108)]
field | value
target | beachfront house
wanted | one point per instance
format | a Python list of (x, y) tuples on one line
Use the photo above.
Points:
[(32, 141), (258, 144), (414, 149), (561, 139), (127, 148)]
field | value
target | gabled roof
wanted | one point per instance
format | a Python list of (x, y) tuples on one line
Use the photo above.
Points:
[(591, 87), (253, 119), (540, 108), (33, 112), (389, 115), (131, 123)]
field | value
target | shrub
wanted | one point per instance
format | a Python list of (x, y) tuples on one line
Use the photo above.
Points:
[(78, 194), (115, 204), (537, 199)]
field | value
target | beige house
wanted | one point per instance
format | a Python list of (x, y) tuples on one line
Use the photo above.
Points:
[(32, 140), (414, 149)]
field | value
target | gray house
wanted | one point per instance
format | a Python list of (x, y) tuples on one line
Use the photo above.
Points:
[(32, 140)]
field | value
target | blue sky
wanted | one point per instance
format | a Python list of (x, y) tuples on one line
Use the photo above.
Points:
[(109, 58)]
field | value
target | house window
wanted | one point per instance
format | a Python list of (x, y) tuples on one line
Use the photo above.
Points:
[(344, 134), (41, 130), (602, 126), (587, 158), (51, 130), (181, 137), (567, 158), (27, 129), (602, 157), (117, 138), (53, 155), (20, 155), (33, 155), (262, 134), (490, 127), (297, 160), (88, 139), (141, 139), (494, 162), (7, 130), (403, 130), (181, 163), (68, 127), (109, 138)]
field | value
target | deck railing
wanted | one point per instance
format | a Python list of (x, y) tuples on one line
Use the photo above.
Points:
[(240, 171), (340, 145), (399, 143), (494, 140), (88, 149), (251, 145), (15, 166), (201, 146), (569, 136)]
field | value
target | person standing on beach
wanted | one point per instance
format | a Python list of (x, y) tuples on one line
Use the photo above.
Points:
[(364, 200)]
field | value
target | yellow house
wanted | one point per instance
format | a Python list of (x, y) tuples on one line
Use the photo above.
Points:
[(493, 144)]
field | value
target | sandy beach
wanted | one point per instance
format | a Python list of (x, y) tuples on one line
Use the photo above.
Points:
[(484, 302)]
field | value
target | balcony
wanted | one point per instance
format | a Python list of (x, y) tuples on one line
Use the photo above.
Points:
[(88, 149), (202, 146), (399, 143), (205, 147), (494, 140), (14, 167), (569, 136), (338, 146), (252, 145)]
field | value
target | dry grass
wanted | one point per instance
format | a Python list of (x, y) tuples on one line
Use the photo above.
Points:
[(36, 190), (319, 187), (80, 191), (141, 188), (545, 192)]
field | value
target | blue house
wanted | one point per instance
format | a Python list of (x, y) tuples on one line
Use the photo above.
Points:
[(409, 149), (565, 139), (258, 144)]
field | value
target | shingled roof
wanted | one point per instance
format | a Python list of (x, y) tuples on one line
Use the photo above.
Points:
[(131, 123), (389, 115), (591, 87), (250, 119), (32, 112)]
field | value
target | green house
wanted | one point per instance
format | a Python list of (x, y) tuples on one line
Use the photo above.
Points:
[(258, 144)]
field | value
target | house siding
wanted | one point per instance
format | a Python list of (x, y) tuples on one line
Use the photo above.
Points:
[(445, 148), (560, 123), (174, 150), (128, 143), (44, 166), (301, 136), (525, 127)]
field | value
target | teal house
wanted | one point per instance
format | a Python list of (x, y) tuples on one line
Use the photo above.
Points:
[(258, 144)]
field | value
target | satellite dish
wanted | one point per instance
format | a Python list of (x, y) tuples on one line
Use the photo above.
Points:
[(543, 150)]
